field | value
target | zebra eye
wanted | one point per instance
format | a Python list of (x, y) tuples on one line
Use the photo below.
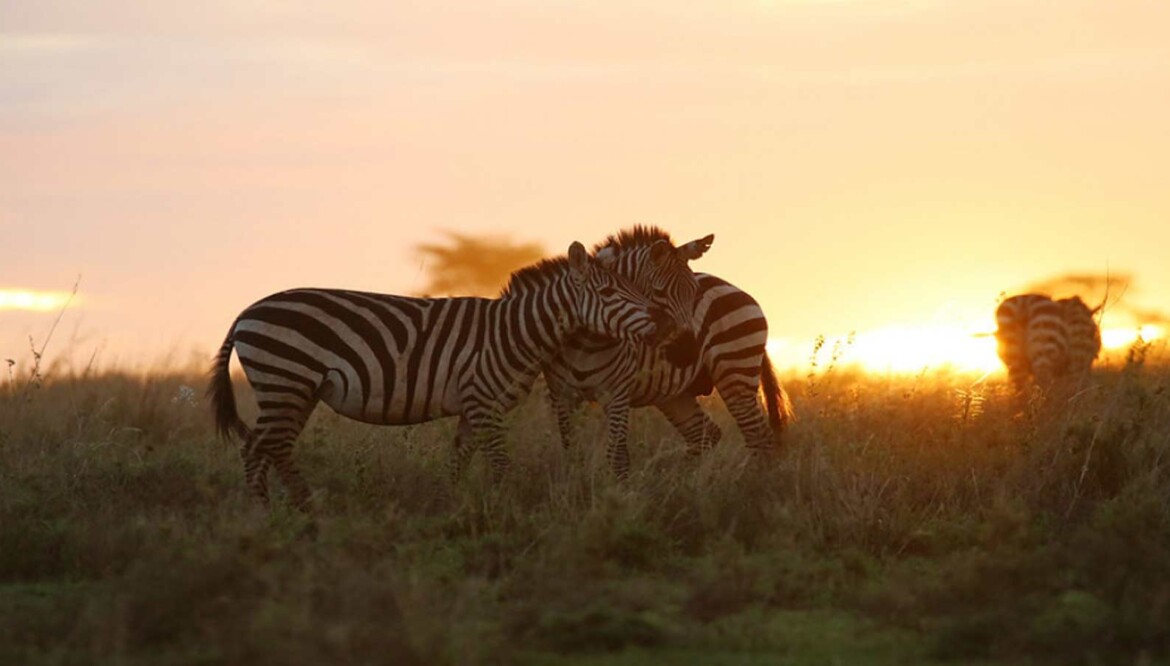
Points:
[(606, 291)]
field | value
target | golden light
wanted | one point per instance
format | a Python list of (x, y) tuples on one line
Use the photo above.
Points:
[(913, 349), (1121, 338), (898, 349), (34, 301)]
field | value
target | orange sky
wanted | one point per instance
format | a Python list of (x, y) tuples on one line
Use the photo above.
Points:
[(864, 164)]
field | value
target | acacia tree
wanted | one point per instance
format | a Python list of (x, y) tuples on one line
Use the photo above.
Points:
[(467, 265), (1096, 287), (1110, 290)]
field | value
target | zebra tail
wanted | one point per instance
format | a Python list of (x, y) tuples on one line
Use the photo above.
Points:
[(780, 412), (222, 396)]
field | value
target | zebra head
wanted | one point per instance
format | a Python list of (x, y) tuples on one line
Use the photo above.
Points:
[(662, 272), (606, 303)]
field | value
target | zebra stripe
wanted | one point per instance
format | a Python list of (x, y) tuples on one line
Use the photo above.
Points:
[(1084, 335), (730, 355), (1042, 341), (392, 360)]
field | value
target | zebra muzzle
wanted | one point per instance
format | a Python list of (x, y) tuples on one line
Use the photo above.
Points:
[(682, 349), (662, 329), (678, 344)]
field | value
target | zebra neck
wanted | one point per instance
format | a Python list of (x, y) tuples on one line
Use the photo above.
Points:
[(589, 341), (531, 326)]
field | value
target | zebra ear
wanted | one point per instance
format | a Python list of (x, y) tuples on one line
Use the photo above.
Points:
[(607, 256), (696, 248), (578, 261), (659, 251)]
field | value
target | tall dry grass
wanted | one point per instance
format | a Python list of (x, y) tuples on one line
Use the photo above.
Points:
[(909, 519)]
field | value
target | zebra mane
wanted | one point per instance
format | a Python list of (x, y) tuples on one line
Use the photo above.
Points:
[(631, 239), (535, 275)]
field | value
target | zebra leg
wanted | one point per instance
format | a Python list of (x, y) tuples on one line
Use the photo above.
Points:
[(464, 447), (486, 434), (255, 467), (564, 406), (689, 419), (290, 476), (751, 417), (278, 424), (617, 418), (276, 449), (489, 436)]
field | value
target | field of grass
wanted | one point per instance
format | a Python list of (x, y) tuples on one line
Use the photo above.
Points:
[(909, 520)]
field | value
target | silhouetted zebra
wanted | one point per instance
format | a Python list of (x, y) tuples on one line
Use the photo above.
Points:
[(731, 332), (1042, 341), (388, 359)]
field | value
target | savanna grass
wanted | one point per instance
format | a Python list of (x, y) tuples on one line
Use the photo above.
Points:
[(909, 519)]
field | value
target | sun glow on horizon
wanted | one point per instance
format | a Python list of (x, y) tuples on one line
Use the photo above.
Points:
[(915, 348), (1120, 338), (33, 301), (896, 349)]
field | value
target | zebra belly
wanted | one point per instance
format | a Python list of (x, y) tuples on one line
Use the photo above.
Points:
[(378, 411), (596, 374), (648, 376), (659, 380)]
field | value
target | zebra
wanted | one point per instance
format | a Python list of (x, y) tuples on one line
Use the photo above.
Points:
[(729, 354), (394, 360), (1042, 341)]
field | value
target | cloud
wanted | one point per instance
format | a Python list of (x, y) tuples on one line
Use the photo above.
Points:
[(34, 301)]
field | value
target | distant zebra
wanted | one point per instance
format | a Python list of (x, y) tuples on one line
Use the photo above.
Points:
[(731, 332), (391, 360), (1042, 341)]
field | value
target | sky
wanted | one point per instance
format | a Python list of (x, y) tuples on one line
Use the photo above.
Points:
[(865, 165)]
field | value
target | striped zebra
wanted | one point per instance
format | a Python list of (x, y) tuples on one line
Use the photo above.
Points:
[(1042, 341), (394, 360), (731, 332)]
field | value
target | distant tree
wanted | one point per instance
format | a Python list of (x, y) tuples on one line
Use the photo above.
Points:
[(469, 265), (1089, 286), (1107, 290)]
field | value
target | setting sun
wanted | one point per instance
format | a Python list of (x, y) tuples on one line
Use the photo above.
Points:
[(34, 301)]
